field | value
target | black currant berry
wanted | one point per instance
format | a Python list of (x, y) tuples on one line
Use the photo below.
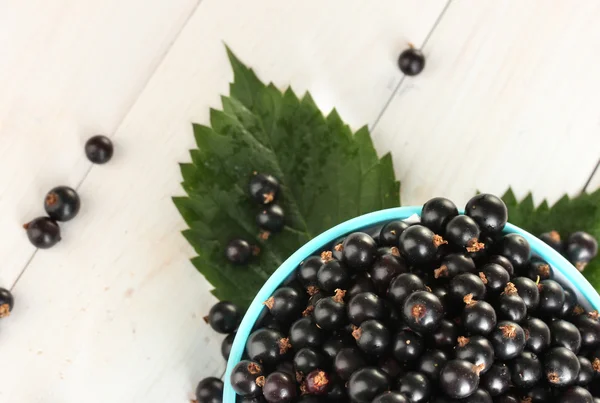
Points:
[(99, 149), (330, 312), (422, 311), (287, 367), (43, 232), (402, 286), (528, 290), (335, 344), (411, 61), (477, 350), (494, 276), (465, 284), (510, 305), (570, 303), (445, 335), (391, 367), (390, 233), (508, 398), (478, 317), (238, 251), (576, 394), (347, 361), (305, 333), (580, 248), (366, 383), (254, 399), (504, 262), (62, 203), (226, 345), (279, 387), (224, 317), (479, 396), (552, 297), (372, 337), (307, 272), (333, 275), (359, 283), (271, 219), (508, 339), (453, 264), (267, 346), (307, 360), (419, 245), (459, 378), (263, 188), (586, 371), (431, 363), (561, 366), (7, 302), (337, 391), (589, 328), (463, 231), (540, 393), (496, 380), (247, 378), (359, 251), (407, 345), (365, 306), (416, 387), (437, 212), (537, 334), (317, 383), (391, 397), (210, 390), (538, 269), (516, 249), (552, 238), (565, 334), (526, 370), (384, 270), (488, 211)]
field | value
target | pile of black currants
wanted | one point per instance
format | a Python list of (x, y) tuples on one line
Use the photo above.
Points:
[(450, 309)]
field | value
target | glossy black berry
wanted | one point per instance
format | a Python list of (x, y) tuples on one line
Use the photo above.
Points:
[(366, 383), (510, 305), (504, 262), (359, 251), (576, 394), (226, 345), (508, 398), (580, 248), (422, 311), (238, 251), (494, 276), (466, 284), (62, 203), (589, 328), (552, 297), (526, 370), (416, 387), (437, 212), (307, 272), (305, 333), (478, 317), (391, 397), (463, 231), (364, 306), (568, 307), (538, 269), (390, 233), (246, 377), (508, 339), (99, 149), (43, 232), (540, 393), (347, 361), (7, 302), (330, 313), (488, 211), (561, 366), (516, 249), (224, 317), (528, 290), (445, 335), (372, 337), (586, 371), (317, 382), (479, 396), (402, 286), (252, 399), (384, 270), (411, 61), (552, 238), (307, 360), (431, 363), (271, 218), (263, 188), (496, 380), (419, 245), (279, 387), (565, 334), (475, 349), (459, 378), (537, 334), (359, 283), (335, 344), (267, 346), (337, 391), (209, 390), (453, 264), (407, 345)]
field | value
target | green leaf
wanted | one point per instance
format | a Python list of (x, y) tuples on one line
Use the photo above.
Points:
[(566, 216), (328, 174)]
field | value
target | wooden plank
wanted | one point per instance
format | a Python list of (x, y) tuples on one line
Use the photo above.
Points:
[(119, 304), (69, 69), (509, 97)]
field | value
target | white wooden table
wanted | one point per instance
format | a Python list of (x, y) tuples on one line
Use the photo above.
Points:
[(510, 96)]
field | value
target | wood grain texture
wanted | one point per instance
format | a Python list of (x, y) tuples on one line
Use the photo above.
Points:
[(118, 304), (68, 69), (509, 97)]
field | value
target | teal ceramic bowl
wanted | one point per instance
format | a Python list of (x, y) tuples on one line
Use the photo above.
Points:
[(564, 272)]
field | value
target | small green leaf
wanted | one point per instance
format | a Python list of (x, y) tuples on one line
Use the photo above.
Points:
[(328, 175)]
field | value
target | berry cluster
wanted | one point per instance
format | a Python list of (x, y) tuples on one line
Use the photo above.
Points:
[(580, 247), (62, 203), (450, 309)]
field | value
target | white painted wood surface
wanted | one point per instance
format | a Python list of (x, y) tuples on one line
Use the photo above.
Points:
[(113, 314)]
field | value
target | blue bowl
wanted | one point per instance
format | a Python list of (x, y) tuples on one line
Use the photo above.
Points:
[(564, 272)]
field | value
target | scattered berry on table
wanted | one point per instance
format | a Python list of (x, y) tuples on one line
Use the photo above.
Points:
[(43, 232), (99, 149), (411, 61), (224, 317), (271, 219), (7, 302), (209, 390), (62, 203), (553, 239), (238, 251), (226, 345), (580, 248), (263, 188)]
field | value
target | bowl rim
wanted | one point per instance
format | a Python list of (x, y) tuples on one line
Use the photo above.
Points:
[(551, 256)]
